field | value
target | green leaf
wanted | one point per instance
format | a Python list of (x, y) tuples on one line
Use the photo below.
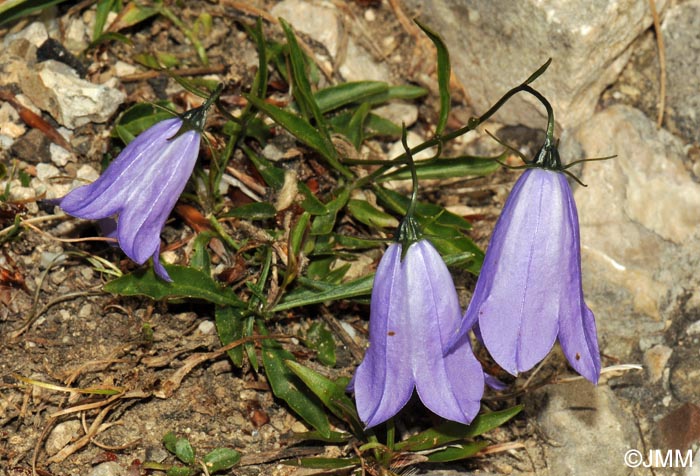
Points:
[(334, 97), (323, 292), (221, 459), (11, 10), (332, 394), (427, 213), (450, 431), (443, 70), (184, 451), (169, 441), (335, 437), (457, 452), (323, 463), (300, 82), (101, 12), (132, 14), (187, 283), (324, 224), (253, 211), (288, 387), (200, 259), (298, 127), (148, 60), (378, 126), (356, 126), (374, 125), (271, 174), (229, 326), (138, 118), (447, 168), (405, 91), (310, 203), (179, 471), (320, 339), (370, 215)]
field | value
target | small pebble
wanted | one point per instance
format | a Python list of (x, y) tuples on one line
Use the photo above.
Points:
[(46, 171), (206, 327), (655, 360), (87, 174), (59, 155), (61, 435)]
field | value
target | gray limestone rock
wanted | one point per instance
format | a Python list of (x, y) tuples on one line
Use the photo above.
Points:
[(586, 427), (72, 101), (681, 31), (637, 213), (497, 44)]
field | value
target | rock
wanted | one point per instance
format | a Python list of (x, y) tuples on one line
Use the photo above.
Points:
[(587, 427), (87, 174), (207, 327), (35, 33), (684, 377), (15, 60), (680, 428), (46, 171), (495, 45), (637, 213), (680, 31), (655, 360), (109, 468), (10, 124), (62, 434), (59, 155), (31, 147), (73, 102), (359, 65), (398, 113), (413, 139), (321, 22), (693, 329), (53, 50)]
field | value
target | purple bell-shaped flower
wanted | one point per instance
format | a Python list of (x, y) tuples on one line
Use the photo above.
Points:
[(529, 292), (141, 186), (414, 311)]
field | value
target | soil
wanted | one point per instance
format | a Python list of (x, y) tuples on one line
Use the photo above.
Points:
[(61, 332)]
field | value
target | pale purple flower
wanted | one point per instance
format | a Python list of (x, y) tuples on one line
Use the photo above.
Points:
[(141, 187), (414, 311), (529, 291)]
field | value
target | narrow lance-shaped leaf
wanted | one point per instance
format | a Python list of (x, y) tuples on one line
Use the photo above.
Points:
[(443, 70), (298, 127), (457, 452), (356, 126), (449, 431), (229, 326), (318, 292), (288, 387), (332, 394), (447, 168), (334, 97), (187, 283)]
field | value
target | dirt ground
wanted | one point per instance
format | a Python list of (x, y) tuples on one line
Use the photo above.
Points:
[(59, 328)]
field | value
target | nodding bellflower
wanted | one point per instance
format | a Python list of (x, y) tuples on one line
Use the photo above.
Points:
[(142, 185), (414, 310), (529, 292)]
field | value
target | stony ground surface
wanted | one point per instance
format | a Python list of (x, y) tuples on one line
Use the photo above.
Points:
[(58, 327)]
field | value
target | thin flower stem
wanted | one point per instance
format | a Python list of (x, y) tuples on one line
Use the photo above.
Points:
[(414, 176), (390, 433), (472, 124)]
